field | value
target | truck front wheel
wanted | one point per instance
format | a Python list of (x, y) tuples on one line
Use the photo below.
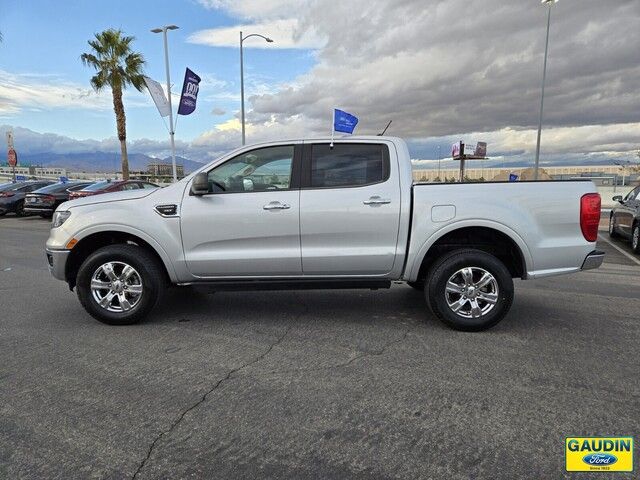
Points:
[(469, 290), (119, 284)]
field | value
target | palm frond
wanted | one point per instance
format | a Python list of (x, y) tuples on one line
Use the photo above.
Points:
[(116, 64)]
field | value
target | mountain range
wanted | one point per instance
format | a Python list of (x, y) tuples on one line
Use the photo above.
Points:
[(99, 161)]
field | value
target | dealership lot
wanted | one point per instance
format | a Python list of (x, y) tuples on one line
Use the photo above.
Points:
[(318, 384)]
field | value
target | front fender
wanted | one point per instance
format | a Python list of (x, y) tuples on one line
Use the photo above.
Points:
[(115, 227)]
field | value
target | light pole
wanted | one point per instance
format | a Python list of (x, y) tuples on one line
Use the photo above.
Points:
[(163, 30), (439, 179), (242, 39), (549, 4), (624, 170)]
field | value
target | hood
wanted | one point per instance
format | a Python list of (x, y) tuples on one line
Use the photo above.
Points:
[(107, 198)]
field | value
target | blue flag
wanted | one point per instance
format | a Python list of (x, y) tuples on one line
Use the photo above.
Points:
[(189, 95), (344, 122)]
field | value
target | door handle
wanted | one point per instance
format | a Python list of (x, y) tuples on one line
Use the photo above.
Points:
[(376, 200), (276, 206)]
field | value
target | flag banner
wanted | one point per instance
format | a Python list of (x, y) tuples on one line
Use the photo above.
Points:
[(189, 94), (157, 94), (344, 122)]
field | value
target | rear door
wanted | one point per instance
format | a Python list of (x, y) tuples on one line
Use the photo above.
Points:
[(349, 209)]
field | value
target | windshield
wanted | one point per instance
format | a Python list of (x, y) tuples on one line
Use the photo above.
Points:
[(97, 186)]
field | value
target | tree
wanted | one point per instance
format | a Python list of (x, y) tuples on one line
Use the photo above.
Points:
[(117, 66)]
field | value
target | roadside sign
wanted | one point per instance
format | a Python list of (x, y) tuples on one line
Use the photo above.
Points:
[(63, 179), (513, 177), (12, 157), (20, 178)]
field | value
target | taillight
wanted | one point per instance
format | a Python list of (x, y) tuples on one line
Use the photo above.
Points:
[(590, 216), (7, 194)]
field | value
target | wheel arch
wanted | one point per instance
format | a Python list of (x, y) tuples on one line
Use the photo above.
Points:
[(90, 240), (491, 237)]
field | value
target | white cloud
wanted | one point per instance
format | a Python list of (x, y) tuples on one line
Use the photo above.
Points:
[(20, 91), (255, 8), (285, 33)]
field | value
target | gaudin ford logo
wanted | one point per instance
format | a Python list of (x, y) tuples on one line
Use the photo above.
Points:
[(599, 459), (599, 454)]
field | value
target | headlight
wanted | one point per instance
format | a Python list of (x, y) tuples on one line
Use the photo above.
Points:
[(59, 218)]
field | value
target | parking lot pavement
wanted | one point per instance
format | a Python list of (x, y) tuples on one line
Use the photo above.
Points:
[(313, 384)]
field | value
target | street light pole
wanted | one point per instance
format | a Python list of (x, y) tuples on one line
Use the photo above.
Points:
[(242, 39), (549, 4), (242, 89), (171, 124)]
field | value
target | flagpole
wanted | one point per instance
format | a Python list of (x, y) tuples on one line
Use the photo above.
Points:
[(333, 114), (172, 133)]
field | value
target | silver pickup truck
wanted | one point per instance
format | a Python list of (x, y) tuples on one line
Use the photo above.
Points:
[(308, 214)]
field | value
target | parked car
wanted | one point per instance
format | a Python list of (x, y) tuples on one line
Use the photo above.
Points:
[(624, 220), (310, 214), (12, 195), (111, 186), (45, 200)]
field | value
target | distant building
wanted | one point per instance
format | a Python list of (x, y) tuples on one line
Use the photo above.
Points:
[(161, 169), (35, 171), (600, 174)]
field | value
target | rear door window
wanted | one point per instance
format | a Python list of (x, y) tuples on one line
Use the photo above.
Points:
[(347, 165)]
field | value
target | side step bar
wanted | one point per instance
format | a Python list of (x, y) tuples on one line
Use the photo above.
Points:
[(291, 284)]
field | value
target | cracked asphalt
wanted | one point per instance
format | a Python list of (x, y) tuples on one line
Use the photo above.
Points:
[(313, 384)]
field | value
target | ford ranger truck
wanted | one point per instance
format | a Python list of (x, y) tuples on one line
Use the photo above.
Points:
[(305, 214)]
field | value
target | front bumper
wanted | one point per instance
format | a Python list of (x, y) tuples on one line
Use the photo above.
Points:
[(57, 262), (593, 260), (39, 208)]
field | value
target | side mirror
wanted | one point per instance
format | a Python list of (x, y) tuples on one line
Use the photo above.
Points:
[(617, 198), (200, 184)]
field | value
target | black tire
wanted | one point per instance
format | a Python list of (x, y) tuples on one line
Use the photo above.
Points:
[(635, 238), (448, 266), (152, 278), (417, 285), (612, 228), (20, 209)]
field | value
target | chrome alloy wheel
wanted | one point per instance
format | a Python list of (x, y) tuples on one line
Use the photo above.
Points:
[(472, 292), (116, 287), (612, 227), (636, 238)]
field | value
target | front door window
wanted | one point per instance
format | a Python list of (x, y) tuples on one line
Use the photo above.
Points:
[(264, 169)]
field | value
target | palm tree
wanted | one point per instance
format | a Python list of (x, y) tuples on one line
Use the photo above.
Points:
[(117, 67)]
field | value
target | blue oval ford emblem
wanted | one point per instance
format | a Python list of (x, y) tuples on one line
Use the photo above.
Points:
[(599, 459)]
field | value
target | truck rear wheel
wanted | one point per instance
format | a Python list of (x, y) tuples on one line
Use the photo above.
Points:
[(469, 290), (119, 284)]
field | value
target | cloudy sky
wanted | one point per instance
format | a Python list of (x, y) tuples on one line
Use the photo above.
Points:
[(442, 70)]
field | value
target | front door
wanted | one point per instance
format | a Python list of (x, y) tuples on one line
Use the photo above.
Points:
[(349, 209), (248, 225)]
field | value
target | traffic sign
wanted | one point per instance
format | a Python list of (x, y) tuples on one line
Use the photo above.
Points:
[(12, 157)]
